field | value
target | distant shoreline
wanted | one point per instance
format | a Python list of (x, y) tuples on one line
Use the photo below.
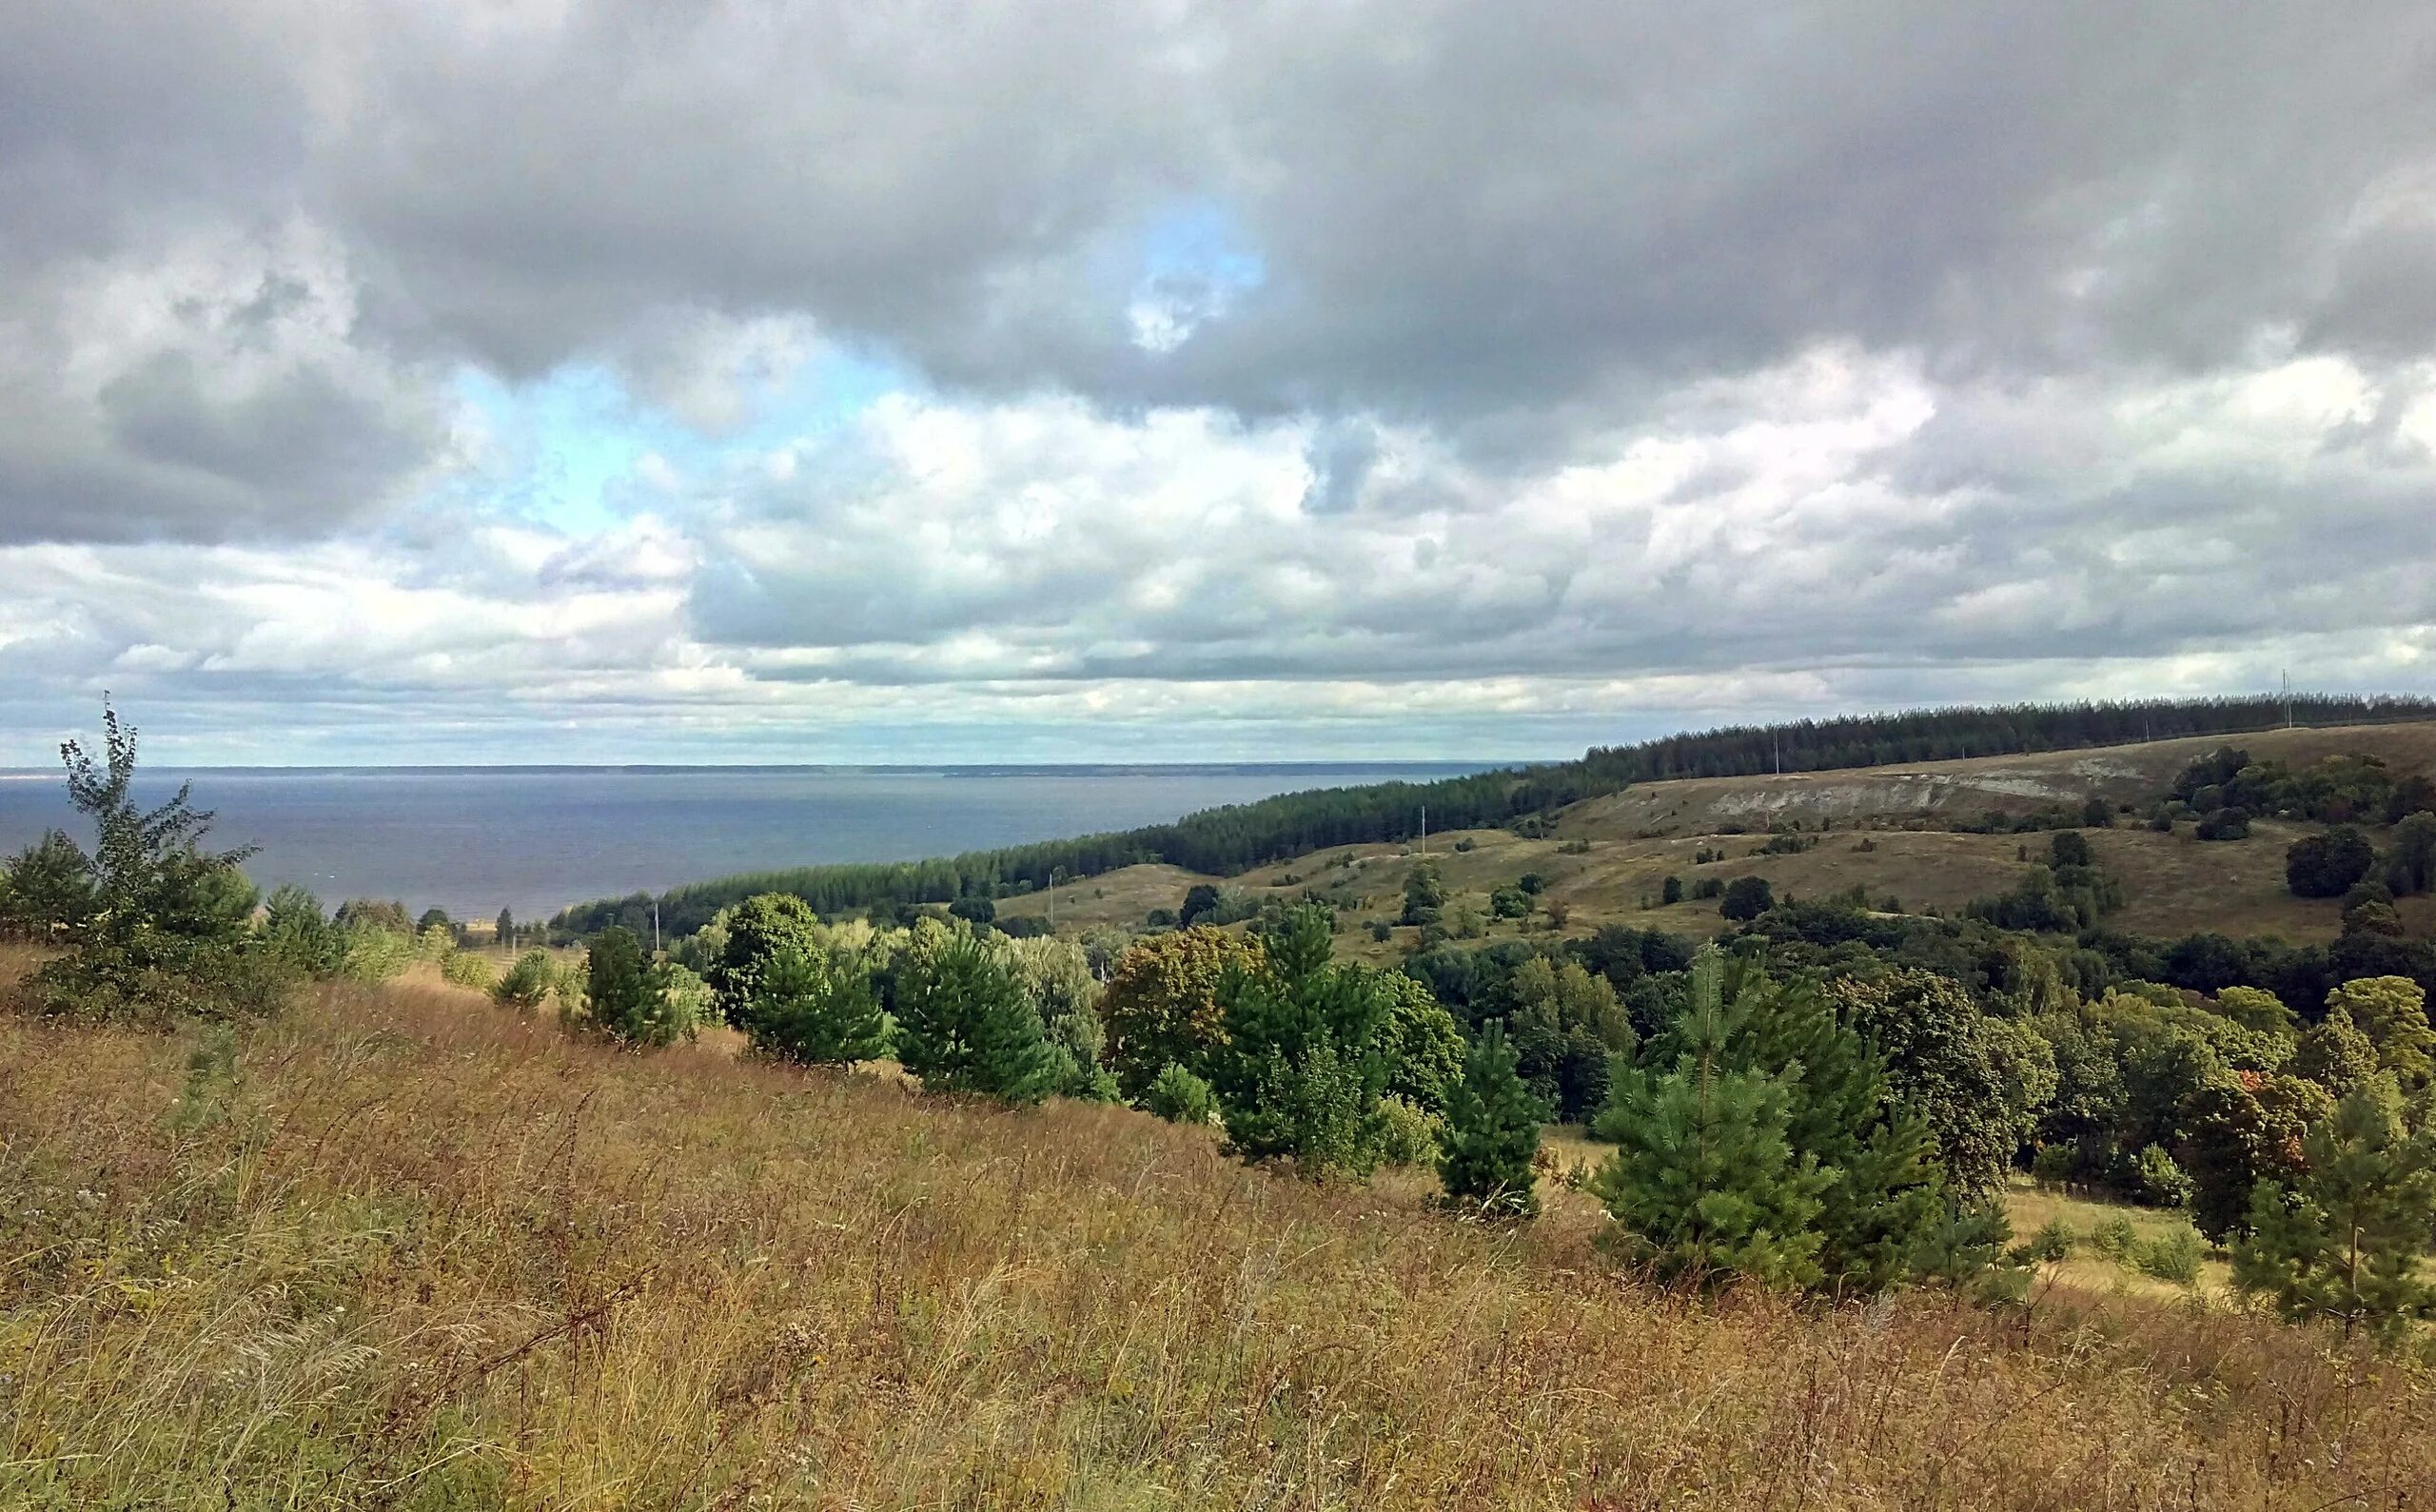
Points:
[(947, 769)]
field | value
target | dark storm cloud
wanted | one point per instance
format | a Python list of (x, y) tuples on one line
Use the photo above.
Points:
[(1460, 208)]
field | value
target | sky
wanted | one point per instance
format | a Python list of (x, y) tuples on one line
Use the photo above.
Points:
[(1156, 380)]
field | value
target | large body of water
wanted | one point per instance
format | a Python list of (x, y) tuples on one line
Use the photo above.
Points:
[(475, 839)]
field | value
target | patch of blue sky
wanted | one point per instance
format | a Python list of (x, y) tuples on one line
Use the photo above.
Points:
[(1195, 260), (567, 449), (1200, 237)]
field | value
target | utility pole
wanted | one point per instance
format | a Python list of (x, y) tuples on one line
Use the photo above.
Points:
[(1424, 828), (2288, 697), (655, 926)]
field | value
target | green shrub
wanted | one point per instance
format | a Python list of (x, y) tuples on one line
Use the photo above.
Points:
[(468, 970), (374, 955), (817, 1007), (2172, 1256), (1180, 1097), (527, 982), (2052, 1243), (2154, 1179), (2055, 1165), (2114, 1237), (1407, 1135), (1489, 1144)]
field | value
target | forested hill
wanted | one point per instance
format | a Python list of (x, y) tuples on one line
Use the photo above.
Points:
[(1227, 840)]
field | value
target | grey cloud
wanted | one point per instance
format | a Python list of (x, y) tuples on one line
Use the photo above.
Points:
[(1462, 210)]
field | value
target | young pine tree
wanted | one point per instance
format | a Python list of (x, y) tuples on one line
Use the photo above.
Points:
[(1492, 1131), (626, 994), (1304, 1061), (2346, 1241), (814, 1007), (965, 1026), (1706, 1184)]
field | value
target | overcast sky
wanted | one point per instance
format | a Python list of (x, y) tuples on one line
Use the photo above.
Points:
[(459, 380)]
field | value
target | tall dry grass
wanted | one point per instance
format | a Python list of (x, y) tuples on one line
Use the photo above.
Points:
[(416, 1253)]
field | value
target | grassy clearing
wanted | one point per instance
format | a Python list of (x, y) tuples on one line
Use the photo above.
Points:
[(417, 1253)]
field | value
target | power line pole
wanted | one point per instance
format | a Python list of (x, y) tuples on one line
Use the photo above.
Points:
[(2288, 697), (1424, 828), (655, 926)]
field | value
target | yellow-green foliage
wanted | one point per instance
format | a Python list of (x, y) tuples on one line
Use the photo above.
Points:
[(398, 1249), (437, 942), (374, 955), (464, 970)]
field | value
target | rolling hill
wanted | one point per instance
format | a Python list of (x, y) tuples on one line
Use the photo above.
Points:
[(2173, 884)]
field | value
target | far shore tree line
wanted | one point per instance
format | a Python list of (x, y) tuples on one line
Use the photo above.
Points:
[(1830, 1099)]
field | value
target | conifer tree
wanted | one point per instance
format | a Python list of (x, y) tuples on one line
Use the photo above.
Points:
[(1492, 1131), (817, 1007), (1706, 1183), (965, 1024), (1305, 1061), (1858, 1172), (627, 996), (2346, 1241)]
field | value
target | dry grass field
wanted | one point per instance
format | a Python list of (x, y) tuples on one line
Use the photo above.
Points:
[(405, 1250)]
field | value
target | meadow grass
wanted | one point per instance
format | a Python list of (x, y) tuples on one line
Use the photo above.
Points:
[(406, 1249)]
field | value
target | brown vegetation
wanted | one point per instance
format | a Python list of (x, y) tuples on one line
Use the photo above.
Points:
[(417, 1253)]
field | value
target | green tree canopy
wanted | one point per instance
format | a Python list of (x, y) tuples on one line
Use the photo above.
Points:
[(965, 1024), (2347, 1242), (816, 1006), (1492, 1131), (1161, 1005), (755, 933), (1304, 1063)]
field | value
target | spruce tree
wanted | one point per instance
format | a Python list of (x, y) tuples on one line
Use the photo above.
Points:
[(965, 1026), (1492, 1131), (2346, 1241), (817, 1007)]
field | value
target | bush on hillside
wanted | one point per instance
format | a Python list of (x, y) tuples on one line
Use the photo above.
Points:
[(1491, 1134), (2327, 865), (1180, 1097), (817, 1007), (964, 1024), (526, 983), (1746, 898)]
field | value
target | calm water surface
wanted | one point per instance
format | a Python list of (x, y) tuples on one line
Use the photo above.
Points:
[(473, 839)]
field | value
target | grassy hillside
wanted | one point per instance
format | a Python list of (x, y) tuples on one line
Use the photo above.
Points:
[(2173, 884), (402, 1250)]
